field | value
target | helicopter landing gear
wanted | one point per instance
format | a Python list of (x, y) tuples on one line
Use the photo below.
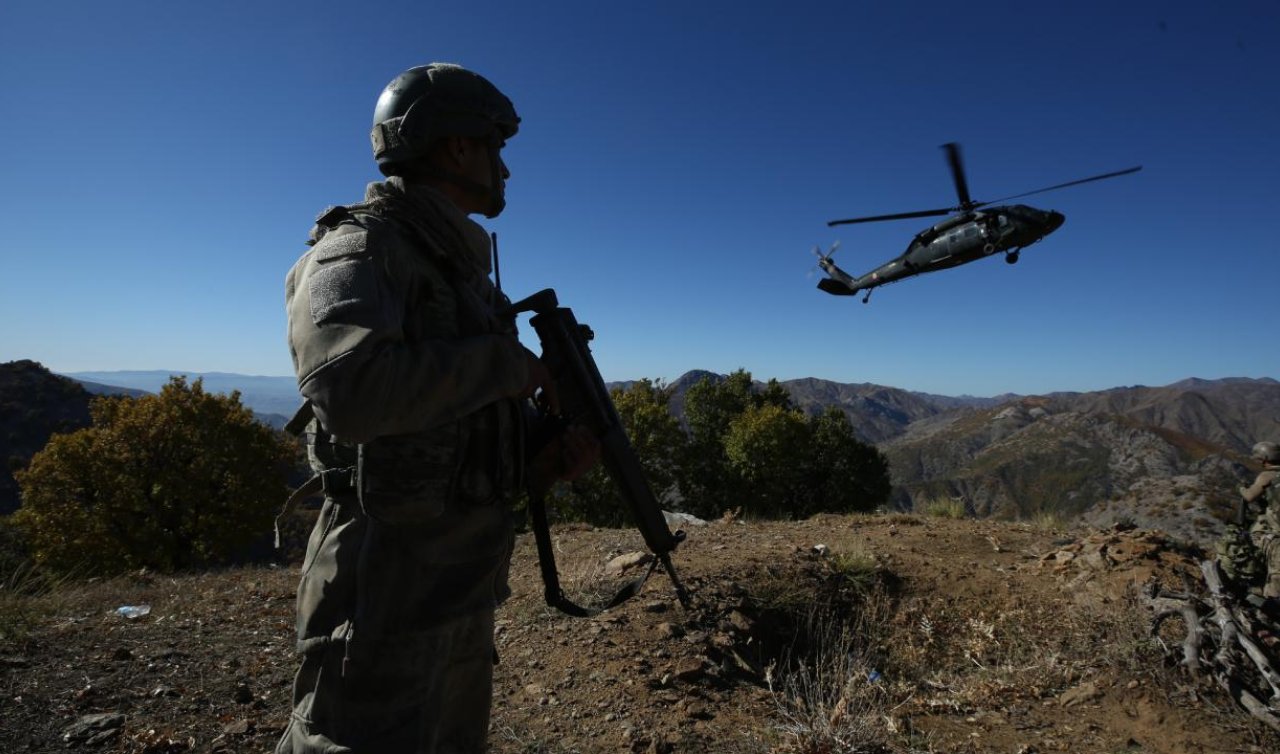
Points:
[(867, 297), (1011, 257), (988, 248)]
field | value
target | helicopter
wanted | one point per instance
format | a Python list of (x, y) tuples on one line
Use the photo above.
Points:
[(974, 231)]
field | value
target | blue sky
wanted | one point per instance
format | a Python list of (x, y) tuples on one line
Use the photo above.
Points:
[(677, 162)]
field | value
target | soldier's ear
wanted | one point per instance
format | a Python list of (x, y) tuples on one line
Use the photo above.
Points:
[(448, 153), (460, 149)]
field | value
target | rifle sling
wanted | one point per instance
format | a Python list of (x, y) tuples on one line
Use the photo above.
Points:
[(555, 596)]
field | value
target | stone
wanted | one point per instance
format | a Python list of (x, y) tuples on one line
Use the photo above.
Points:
[(669, 631), (690, 669), (628, 561), (1085, 692), (237, 728), (94, 728)]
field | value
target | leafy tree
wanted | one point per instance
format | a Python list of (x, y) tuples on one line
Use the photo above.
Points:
[(774, 394), (658, 442), (845, 474), (754, 449), (767, 448), (169, 481), (711, 405), (707, 484), (653, 430)]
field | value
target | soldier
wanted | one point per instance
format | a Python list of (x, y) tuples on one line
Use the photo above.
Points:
[(1265, 531), (414, 383)]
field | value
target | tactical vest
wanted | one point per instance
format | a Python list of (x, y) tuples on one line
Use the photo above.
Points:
[(473, 460)]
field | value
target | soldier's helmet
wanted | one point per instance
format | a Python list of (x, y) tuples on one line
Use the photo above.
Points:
[(430, 101), (1267, 452)]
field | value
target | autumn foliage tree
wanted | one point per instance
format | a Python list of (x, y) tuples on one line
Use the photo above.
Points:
[(171, 481), (753, 449), (658, 442)]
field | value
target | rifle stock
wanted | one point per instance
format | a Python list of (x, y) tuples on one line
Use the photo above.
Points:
[(585, 400)]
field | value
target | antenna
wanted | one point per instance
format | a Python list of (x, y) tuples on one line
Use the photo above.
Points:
[(497, 274)]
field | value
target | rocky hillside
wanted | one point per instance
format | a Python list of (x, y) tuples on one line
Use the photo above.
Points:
[(34, 404), (1038, 456), (1166, 457), (1233, 413)]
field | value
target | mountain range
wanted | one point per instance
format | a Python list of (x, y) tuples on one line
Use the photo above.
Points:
[(1165, 457), (269, 396)]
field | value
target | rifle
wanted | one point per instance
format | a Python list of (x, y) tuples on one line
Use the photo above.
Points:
[(585, 400)]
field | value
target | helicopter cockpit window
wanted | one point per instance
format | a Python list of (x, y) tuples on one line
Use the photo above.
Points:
[(970, 231)]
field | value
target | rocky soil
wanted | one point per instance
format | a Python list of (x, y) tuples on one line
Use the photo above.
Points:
[(883, 633)]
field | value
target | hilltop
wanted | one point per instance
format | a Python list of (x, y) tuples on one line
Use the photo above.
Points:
[(34, 404), (917, 634)]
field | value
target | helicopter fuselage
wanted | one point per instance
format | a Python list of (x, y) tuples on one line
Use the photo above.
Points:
[(957, 240)]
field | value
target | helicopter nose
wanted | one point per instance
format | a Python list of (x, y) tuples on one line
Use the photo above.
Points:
[(1054, 220)]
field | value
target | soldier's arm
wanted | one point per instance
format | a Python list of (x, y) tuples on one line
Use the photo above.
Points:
[(1259, 486), (363, 378)]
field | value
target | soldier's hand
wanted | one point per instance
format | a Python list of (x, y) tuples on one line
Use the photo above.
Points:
[(567, 457), (579, 452), (539, 385)]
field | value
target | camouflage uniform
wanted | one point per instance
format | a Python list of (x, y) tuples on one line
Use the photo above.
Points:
[(1265, 531), (398, 346)]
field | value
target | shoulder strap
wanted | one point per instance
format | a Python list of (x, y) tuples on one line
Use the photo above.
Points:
[(555, 596), (301, 418)]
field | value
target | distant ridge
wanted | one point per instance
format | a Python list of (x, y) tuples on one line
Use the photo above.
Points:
[(97, 388), (1242, 411), (268, 396), (1165, 457), (34, 405)]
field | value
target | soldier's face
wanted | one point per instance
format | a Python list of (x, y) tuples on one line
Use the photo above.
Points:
[(476, 164)]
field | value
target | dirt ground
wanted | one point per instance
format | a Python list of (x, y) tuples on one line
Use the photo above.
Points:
[(882, 633)]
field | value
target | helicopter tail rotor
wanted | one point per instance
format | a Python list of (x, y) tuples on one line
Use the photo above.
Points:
[(823, 259), (817, 251)]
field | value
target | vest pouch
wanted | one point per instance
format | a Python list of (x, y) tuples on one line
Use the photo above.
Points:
[(409, 479), (487, 471)]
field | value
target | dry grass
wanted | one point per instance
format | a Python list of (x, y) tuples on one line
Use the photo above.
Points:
[(833, 699), (863, 682), (20, 604), (1049, 521), (944, 507), (28, 595)]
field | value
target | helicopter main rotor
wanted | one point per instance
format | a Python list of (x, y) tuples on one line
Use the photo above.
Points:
[(967, 204)]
